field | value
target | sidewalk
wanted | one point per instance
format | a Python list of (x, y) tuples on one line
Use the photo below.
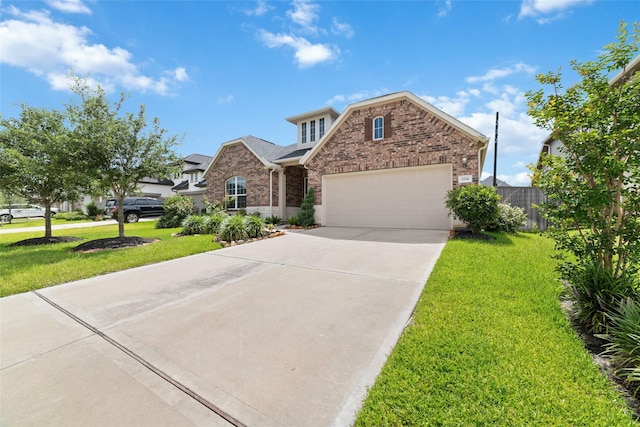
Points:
[(65, 226)]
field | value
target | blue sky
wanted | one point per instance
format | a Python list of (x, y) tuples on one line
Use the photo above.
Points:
[(219, 70)]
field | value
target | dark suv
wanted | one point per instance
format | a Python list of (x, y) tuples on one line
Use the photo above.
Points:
[(134, 208)]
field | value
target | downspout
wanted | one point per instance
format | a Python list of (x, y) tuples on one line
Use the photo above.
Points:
[(480, 150), (271, 171)]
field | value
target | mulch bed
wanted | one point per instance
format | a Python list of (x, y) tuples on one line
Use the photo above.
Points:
[(113, 243), (45, 241)]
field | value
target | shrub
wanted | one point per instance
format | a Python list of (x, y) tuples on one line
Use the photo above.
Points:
[(475, 205), (176, 209), (509, 219), (92, 210), (213, 222), (275, 220), (595, 291), (242, 212), (254, 226), (293, 220), (233, 228), (71, 216), (305, 216), (194, 224), (257, 213), (624, 338)]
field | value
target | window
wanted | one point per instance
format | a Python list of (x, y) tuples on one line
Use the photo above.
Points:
[(378, 128), (312, 131), (304, 133), (321, 128), (236, 188), (305, 186)]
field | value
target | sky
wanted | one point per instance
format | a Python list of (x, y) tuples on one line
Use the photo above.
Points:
[(214, 71)]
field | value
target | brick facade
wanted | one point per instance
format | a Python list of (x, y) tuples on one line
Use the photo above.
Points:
[(417, 138), (237, 160), (295, 186)]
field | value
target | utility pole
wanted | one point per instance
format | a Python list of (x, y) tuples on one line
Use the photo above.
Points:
[(495, 154)]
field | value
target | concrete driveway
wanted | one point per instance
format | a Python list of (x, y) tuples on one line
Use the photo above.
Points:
[(285, 332)]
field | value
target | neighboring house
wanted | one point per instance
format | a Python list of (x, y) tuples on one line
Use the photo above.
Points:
[(191, 181), (488, 182), (384, 162)]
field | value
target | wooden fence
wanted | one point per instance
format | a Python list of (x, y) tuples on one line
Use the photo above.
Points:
[(525, 197)]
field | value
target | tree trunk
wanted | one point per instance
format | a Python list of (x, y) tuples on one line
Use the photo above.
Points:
[(47, 220), (120, 216)]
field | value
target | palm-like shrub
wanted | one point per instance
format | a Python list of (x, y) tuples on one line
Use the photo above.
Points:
[(624, 338), (194, 224), (233, 228), (254, 226), (213, 221), (595, 291)]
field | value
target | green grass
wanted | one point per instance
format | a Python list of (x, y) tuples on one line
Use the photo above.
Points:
[(490, 345), (27, 268)]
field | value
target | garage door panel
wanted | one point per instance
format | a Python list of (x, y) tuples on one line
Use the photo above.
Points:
[(395, 198)]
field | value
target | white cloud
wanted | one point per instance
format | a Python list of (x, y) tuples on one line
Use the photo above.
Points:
[(304, 13), (50, 49), (261, 8), (307, 54), (452, 106), (70, 6), (521, 179), (356, 96), (338, 27), (444, 8), (498, 73), (225, 99), (545, 11)]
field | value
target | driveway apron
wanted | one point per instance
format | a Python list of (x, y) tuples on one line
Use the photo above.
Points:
[(284, 332)]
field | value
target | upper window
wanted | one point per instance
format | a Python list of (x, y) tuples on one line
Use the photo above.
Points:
[(304, 133), (312, 131), (320, 128), (378, 128), (236, 190)]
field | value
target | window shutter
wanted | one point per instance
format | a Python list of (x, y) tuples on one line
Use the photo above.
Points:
[(387, 125), (368, 129)]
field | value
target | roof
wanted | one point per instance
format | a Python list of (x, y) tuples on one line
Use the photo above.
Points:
[(196, 162), (631, 68), (267, 152), (488, 182), (294, 154), (182, 186), (147, 180), (469, 131), (315, 113)]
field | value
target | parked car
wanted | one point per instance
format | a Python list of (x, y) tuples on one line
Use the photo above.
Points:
[(9, 212), (135, 208)]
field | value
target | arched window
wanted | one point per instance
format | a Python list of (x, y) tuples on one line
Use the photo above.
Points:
[(378, 128), (235, 188)]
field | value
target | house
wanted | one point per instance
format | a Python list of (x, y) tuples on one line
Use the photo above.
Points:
[(488, 182), (383, 162), (191, 180)]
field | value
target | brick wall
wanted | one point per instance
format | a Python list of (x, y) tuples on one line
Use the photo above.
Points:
[(295, 186), (237, 160), (417, 138)]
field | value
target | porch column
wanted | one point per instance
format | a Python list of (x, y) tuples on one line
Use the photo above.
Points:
[(282, 194)]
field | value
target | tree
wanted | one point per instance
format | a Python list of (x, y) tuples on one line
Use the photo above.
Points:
[(125, 150), (593, 189), (39, 159), (307, 211)]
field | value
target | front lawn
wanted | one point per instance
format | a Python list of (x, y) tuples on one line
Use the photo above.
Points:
[(490, 345), (38, 222), (25, 268)]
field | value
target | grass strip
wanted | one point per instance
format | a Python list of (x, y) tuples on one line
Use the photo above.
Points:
[(490, 345), (26, 268)]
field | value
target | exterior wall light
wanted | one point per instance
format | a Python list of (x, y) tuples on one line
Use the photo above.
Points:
[(465, 161)]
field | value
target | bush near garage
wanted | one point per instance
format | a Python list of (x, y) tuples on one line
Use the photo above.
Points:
[(475, 205), (176, 209)]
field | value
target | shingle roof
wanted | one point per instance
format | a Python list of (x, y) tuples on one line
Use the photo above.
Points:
[(182, 186), (196, 162), (294, 154), (267, 150)]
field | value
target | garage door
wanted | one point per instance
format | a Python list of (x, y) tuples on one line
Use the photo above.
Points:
[(393, 198)]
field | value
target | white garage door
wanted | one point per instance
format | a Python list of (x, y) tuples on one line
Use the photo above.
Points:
[(393, 198)]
